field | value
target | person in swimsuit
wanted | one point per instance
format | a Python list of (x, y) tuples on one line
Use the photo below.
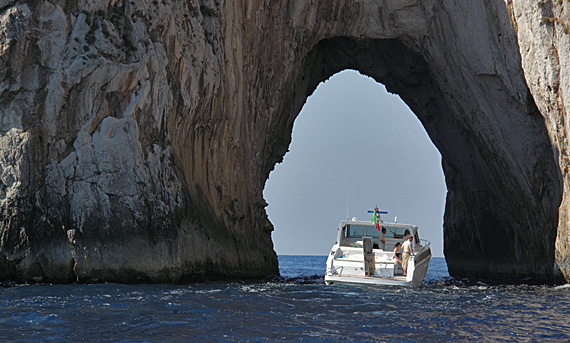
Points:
[(397, 255)]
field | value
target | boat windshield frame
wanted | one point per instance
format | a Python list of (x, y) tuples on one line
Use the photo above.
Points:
[(393, 230)]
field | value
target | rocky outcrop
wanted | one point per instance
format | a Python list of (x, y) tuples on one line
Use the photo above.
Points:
[(544, 40), (136, 137), (100, 103)]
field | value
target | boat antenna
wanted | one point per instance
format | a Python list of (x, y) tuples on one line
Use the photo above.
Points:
[(347, 203), (376, 218), (377, 211)]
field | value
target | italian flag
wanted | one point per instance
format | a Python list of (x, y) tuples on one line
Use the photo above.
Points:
[(374, 220)]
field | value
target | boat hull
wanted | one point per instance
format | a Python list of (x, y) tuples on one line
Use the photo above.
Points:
[(417, 270), (420, 267), (367, 280)]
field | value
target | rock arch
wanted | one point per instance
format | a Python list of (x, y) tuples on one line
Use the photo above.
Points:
[(486, 233), (475, 119), (135, 146)]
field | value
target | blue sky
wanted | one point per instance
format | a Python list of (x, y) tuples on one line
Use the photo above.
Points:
[(354, 140)]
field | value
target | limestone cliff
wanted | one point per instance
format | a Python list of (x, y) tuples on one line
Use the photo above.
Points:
[(136, 136), (544, 41)]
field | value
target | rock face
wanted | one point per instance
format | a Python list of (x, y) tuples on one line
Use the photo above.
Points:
[(136, 137)]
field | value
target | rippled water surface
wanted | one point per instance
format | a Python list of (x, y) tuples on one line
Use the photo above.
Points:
[(298, 308)]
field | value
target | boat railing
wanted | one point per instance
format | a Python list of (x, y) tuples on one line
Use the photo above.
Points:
[(335, 271), (424, 244)]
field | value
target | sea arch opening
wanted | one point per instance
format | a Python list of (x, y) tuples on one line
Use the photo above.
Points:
[(492, 177), (386, 63), (354, 146)]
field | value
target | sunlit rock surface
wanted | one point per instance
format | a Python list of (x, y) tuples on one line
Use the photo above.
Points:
[(136, 137)]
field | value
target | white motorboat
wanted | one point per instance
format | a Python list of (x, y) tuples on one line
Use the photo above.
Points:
[(359, 257)]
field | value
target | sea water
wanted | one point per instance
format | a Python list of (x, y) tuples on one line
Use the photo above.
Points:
[(297, 307)]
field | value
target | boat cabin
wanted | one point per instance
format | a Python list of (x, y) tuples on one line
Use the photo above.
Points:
[(351, 234)]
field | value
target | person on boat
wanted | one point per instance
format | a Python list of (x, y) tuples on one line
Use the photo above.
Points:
[(408, 251), (406, 236), (382, 239), (397, 255)]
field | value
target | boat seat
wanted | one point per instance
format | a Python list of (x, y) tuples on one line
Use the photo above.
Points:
[(360, 261)]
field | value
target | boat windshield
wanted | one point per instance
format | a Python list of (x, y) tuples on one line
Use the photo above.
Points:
[(359, 230), (397, 232)]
